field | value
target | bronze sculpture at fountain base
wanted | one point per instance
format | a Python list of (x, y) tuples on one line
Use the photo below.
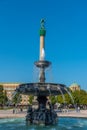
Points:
[(42, 115)]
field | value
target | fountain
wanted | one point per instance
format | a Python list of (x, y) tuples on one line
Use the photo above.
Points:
[(42, 90)]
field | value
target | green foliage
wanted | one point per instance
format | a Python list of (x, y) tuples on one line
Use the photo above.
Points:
[(31, 97), (1, 89), (79, 97), (53, 99), (59, 99), (64, 99), (17, 98), (68, 99), (3, 96)]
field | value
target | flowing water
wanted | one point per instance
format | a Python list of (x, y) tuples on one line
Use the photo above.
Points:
[(63, 124), (69, 95)]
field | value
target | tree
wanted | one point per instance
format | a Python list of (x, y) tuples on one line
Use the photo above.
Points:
[(3, 96), (80, 97), (31, 97), (59, 99), (53, 99), (5, 100), (68, 99), (17, 98)]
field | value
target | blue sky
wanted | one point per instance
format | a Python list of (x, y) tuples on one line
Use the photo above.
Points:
[(65, 42)]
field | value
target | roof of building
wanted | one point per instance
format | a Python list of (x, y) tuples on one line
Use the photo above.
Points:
[(75, 85)]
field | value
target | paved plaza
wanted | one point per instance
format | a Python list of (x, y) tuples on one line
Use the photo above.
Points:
[(18, 114)]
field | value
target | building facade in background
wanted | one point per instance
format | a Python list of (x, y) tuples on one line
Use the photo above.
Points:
[(10, 89), (74, 87)]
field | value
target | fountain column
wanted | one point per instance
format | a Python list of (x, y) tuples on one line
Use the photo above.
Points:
[(42, 53), (41, 89), (42, 39)]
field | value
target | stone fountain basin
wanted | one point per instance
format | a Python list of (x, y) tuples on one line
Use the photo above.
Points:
[(43, 89)]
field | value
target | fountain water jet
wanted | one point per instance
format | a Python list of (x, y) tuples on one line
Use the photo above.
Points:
[(41, 89), (71, 98), (62, 94)]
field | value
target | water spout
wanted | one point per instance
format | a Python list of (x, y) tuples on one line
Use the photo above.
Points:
[(48, 88), (61, 94), (42, 54), (36, 91), (70, 97), (14, 93)]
